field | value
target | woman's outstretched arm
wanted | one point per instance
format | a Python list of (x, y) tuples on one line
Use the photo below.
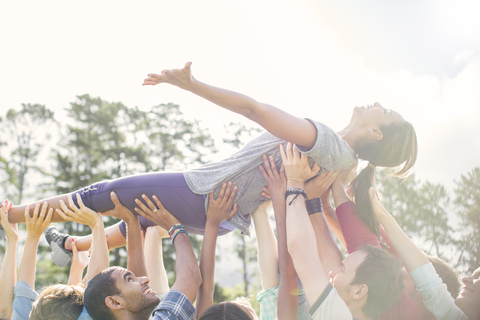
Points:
[(9, 264), (300, 131)]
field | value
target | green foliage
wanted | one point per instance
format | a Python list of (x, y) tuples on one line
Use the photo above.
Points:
[(27, 132), (467, 204)]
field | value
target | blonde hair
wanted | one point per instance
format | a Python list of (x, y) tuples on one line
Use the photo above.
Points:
[(60, 301)]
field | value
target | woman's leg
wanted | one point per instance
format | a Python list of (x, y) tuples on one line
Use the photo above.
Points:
[(17, 213), (114, 238)]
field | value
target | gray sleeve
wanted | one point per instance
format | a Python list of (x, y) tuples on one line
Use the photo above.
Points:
[(330, 151)]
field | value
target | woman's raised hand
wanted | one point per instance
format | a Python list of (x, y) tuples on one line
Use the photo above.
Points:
[(11, 230), (219, 210), (80, 214), (296, 165), (276, 181), (347, 175), (156, 212), (181, 78), (39, 222)]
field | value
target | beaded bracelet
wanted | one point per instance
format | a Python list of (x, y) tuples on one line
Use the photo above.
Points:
[(173, 228), (172, 235), (176, 234)]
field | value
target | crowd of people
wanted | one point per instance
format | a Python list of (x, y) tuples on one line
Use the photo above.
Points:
[(298, 166)]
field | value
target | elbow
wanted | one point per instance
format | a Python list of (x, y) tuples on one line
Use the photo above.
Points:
[(6, 312), (294, 245)]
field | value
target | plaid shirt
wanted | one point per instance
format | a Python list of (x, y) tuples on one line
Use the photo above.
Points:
[(174, 306)]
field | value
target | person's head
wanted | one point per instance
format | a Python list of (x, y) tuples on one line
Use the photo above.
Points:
[(116, 291), (385, 139), (238, 309), (447, 274), (469, 298), (370, 279), (60, 301)]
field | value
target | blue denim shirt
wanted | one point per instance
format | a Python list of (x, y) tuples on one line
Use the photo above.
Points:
[(23, 300)]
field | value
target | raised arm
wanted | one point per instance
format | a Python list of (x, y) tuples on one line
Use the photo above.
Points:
[(135, 256), (9, 264), (407, 251), (154, 259), (301, 240), (35, 225), (267, 251), (287, 303), (187, 272), (218, 211), (80, 260), (300, 131)]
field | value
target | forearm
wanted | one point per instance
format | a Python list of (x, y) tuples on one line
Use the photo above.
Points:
[(135, 256), (339, 194), (187, 272), (75, 275), (26, 270), (207, 268), (154, 262), (327, 248), (334, 224), (267, 254), (407, 251), (99, 258), (7, 279), (287, 306)]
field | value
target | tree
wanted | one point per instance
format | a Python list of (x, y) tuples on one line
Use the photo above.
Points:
[(27, 132), (467, 202)]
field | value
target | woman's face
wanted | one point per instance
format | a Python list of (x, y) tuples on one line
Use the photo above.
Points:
[(374, 116), (469, 298)]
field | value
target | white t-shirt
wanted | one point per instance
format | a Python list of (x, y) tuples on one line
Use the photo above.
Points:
[(329, 306)]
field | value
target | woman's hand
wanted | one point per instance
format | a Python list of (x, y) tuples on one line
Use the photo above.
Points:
[(296, 165), (120, 211), (181, 78), (219, 210), (11, 230), (276, 181), (80, 214), (160, 216), (39, 222), (320, 184), (80, 259)]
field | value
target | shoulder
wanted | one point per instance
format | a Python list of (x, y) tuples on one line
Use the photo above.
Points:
[(175, 305), (330, 306)]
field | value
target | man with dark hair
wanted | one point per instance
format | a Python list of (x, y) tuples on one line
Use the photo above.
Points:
[(362, 285), (118, 293)]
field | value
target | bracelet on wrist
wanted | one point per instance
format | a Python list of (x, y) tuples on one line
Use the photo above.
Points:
[(296, 192), (314, 206)]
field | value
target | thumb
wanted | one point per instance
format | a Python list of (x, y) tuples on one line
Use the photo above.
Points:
[(187, 65), (74, 247), (114, 198)]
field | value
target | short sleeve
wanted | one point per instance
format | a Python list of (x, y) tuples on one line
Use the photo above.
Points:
[(330, 151), (174, 306), (268, 303), (23, 300)]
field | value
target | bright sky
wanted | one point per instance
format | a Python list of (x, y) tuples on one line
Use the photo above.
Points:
[(315, 59)]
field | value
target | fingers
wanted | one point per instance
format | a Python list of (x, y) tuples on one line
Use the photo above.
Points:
[(79, 201), (316, 168), (157, 201), (283, 153), (27, 214), (149, 202), (221, 195), (187, 66)]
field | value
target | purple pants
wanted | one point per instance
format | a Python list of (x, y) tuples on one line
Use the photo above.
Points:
[(170, 188)]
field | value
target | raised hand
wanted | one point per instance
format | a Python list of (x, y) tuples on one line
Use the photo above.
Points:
[(120, 211), (276, 181), (39, 222), (160, 216), (80, 214), (347, 175), (181, 78), (219, 210), (296, 165), (11, 230)]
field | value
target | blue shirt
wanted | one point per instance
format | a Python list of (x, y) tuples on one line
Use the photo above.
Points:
[(175, 305), (23, 300)]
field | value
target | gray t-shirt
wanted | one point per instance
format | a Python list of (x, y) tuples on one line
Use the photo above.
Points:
[(330, 151)]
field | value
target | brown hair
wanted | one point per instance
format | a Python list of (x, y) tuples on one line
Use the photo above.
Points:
[(448, 275), (382, 273), (99, 287), (60, 301), (398, 146)]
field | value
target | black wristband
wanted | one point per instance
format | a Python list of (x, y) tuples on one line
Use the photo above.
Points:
[(296, 191), (314, 206)]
